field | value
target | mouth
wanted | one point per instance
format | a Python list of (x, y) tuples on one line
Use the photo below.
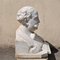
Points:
[(36, 27)]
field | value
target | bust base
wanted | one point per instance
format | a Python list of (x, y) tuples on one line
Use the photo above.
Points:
[(33, 59), (30, 57)]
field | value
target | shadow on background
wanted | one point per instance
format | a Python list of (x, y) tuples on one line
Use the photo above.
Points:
[(53, 51), (7, 53)]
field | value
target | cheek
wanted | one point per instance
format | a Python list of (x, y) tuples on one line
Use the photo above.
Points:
[(30, 26)]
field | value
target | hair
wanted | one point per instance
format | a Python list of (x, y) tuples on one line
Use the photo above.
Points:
[(25, 14)]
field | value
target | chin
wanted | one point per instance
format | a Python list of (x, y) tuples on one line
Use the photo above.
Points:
[(32, 30)]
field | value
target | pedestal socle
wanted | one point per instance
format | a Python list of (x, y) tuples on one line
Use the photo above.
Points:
[(33, 59)]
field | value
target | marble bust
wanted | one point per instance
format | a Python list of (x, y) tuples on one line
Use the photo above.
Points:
[(27, 41)]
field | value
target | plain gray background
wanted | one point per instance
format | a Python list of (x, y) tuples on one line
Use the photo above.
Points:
[(49, 14)]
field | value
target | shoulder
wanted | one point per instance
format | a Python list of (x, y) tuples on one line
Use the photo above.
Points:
[(19, 35)]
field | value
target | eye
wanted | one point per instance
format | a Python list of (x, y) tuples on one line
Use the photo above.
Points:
[(32, 46)]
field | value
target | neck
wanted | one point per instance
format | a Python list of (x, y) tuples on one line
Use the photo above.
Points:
[(24, 29)]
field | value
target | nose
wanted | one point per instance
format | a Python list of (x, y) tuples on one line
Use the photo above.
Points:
[(38, 21)]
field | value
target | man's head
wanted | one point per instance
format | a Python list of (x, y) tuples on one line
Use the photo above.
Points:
[(28, 16)]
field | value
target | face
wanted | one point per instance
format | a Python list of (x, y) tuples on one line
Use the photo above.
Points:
[(33, 23)]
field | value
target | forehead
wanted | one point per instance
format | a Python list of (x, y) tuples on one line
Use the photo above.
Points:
[(34, 14)]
